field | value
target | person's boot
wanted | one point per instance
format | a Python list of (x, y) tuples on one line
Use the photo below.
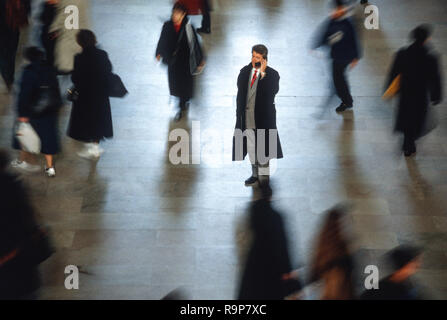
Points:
[(343, 107)]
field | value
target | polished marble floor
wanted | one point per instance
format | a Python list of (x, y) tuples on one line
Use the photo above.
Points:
[(139, 226)]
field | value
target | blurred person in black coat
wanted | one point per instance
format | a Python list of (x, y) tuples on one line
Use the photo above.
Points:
[(36, 75), (174, 50), (267, 274), (47, 38), (91, 116), (18, 279), (340, 35), (420, 84)]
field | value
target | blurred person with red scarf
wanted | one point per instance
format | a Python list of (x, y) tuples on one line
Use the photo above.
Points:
[(180, 49)]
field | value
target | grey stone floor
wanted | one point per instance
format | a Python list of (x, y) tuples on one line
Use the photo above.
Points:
[(140, 227)]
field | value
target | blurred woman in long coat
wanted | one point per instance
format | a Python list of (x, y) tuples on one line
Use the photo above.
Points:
[(91, 117), (174, 49), (420, 84)]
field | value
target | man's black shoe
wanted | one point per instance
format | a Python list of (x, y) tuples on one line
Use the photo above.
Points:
[(342, 107), (203, 30), (251, 181)]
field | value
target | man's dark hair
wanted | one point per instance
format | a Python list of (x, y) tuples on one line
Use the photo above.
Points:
[(421, 33), (86, 38), (261, 49), (180, 7), (4, 160), (34, 54)]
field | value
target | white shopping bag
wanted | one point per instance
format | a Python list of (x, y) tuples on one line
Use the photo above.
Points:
[(28, 138)]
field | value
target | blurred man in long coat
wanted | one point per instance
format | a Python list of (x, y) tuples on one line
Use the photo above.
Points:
[(256, 132), (420, 84)]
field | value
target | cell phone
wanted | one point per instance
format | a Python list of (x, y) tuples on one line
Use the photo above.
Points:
[(257, 64)]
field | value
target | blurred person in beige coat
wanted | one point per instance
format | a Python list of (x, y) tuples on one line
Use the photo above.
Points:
[(66, 45)]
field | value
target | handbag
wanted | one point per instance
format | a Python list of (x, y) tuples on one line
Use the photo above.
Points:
[(195, 54), (72, 94), (393, 89), (27, 137), (116, 86)]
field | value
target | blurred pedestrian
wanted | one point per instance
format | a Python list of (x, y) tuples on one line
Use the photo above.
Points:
[(179, 48), (13, 16), (267, 274), (340, 35), (91, 116), (256, 132), (47, 38), (38, 104), (418, 69), (332, 261), (20, 250), (66, 46), (406, 261)]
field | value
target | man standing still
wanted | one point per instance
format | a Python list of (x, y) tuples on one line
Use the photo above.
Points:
[(340, 35), (256, 132)]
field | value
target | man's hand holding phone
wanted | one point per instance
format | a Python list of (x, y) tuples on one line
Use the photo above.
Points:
[(263, 65)]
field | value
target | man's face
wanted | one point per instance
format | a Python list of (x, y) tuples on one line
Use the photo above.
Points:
[(256, 57)]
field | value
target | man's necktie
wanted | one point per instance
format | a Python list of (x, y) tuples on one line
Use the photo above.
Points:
[(254, 78)]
